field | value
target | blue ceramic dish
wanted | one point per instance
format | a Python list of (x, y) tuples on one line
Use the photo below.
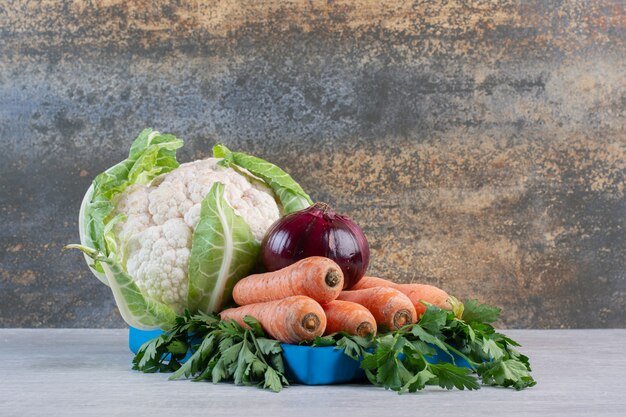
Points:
[(320, 365), (305, 364)]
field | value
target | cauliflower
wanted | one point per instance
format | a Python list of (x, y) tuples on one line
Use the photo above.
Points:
[(167, 237), (160, 219)]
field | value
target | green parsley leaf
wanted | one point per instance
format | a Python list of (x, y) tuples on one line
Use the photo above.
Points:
[(482, 313), (506, 373), (491, 349), (272, 380), (433, 319), (177, 346), (418, 381), (268, 346), (255, 326), (324, 341), (450, 376)]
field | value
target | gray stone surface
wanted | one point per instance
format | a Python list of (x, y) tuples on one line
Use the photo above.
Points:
[(86, 372), (480, 144)]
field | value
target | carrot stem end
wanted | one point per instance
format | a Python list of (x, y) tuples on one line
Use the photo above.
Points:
[(401, 318), (364, 329), (332, 278), (311, 322)]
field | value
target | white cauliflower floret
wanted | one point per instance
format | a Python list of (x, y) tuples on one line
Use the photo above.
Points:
[(134, 204), (180, 193), (157, 260), (161, 217)]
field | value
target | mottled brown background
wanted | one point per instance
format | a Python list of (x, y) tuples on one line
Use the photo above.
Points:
[(480, 144)]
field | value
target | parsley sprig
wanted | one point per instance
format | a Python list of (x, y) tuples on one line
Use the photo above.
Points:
[(222, 351), (353, 346), (166, 353), (398, 360), (497, 360)]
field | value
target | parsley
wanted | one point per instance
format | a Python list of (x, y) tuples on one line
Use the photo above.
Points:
[(398, 360), (394, 360), (400, 363), (222, 350), (353, 346), (480, 313), (493, 355), (166, 353)]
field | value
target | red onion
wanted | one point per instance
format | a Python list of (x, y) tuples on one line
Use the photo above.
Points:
[(317, 231)]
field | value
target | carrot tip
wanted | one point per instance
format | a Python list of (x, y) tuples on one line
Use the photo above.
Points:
[(364, 329), (311, 322), (333, 278)]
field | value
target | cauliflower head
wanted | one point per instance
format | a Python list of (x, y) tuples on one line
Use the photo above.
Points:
[(160, 217), (168, 237)]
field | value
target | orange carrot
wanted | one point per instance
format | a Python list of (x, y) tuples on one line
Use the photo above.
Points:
[(388, 306), (316, 277), (416, 292), (290, 320), (352, 318)]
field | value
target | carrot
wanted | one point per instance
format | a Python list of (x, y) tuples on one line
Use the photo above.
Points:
[(416, 292), (352, 318), (290, 320), (316, 277), (388, 306)]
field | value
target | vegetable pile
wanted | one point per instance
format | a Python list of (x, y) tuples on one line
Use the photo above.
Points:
[(179, 244)]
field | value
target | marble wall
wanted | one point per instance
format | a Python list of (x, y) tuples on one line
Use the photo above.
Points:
[(480, 144)]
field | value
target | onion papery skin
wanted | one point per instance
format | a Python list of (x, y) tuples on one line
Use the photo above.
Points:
[(317, 231)]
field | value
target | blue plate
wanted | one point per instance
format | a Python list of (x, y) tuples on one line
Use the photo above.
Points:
[(308, 365)]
